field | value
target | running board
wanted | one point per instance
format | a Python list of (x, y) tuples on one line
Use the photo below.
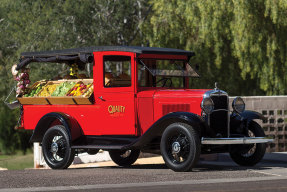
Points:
[(232, 141), (104, 147)]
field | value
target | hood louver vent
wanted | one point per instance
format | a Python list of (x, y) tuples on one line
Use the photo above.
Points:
[(168, 108)]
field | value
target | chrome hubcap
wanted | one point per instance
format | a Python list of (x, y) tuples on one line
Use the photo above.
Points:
[(175, 147), (54, 148)]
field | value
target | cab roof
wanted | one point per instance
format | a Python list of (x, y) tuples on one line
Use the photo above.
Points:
[(90, 50), (85, 54)]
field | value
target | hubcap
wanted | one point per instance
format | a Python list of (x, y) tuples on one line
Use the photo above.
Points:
[(54, 148), (175, 147)]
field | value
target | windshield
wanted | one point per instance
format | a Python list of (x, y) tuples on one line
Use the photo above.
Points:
[(164, 73)]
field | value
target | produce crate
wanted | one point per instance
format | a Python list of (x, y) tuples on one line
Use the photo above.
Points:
[(35, 100), (80, 100), (84, 100), (64, 100), (61, 100)]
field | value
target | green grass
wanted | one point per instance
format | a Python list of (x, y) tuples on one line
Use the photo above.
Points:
[(17, 161)]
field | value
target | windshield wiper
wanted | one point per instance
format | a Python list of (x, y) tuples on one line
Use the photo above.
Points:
[(142, 63)]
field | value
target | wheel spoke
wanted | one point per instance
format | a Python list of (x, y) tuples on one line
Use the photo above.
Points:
[(176, 158), (252, 150), (182, 145)]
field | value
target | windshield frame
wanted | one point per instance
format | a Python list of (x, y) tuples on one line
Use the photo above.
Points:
[(171, 73), (178, 70)]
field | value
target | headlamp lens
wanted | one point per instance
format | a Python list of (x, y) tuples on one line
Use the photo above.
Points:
[(238, 105), (207, 105)]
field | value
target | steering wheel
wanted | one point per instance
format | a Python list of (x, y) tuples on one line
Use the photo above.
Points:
[(165, 79)]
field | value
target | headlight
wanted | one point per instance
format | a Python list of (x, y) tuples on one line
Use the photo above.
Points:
[(238, 105), (207, 105)]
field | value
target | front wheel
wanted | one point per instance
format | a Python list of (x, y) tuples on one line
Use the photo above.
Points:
[(57, 149), (180, 147), (124, 157), (249, 155)]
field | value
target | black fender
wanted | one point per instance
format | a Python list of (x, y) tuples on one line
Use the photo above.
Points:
[(71, 125), (250, 115), (196, 121), (239, 123)]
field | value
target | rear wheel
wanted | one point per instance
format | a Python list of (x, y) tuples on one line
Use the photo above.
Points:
[(57, 149), (250, 155), (124, 157), (180, 147)]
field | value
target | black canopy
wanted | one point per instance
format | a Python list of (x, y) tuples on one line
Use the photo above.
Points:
[(85, 54)]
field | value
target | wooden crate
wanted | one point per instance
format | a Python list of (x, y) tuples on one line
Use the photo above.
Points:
[(49, 83), (61, 100), (35, 100), (84, 100), (81, 100), (65, 100)]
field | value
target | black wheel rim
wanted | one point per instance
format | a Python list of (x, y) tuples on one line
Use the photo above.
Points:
[(178, 147), (56, 147)]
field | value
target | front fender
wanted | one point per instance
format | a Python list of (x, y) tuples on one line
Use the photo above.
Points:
[(160, 125), (71, 125), (250, 115)]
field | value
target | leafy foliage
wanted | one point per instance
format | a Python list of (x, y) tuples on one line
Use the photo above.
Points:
[(239, 42), (49, 25)]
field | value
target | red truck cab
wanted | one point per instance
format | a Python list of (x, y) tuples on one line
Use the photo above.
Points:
[(141, 101)]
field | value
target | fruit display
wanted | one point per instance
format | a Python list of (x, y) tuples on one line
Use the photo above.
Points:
[(48, 90), (35, 90), (79, 89), (89, 91), (63, 89), (69, 92)]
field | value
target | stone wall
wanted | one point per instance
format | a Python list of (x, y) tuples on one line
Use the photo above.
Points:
[(274, 108)]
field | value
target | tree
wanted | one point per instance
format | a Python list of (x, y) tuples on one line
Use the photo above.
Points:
[(239, 42), (49, 25)]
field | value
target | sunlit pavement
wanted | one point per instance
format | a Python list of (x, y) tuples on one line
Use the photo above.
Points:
[(151, 174)]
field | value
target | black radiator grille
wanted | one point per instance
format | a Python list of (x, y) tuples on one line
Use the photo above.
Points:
[(219, 119)]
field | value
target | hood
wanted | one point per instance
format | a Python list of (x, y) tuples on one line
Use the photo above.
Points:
[(159, 102), (180, 93), (176, 100)]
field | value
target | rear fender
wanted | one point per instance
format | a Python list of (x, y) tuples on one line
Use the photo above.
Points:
[(71, 125)]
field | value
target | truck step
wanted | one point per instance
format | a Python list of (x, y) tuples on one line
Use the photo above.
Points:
[(104, 147)]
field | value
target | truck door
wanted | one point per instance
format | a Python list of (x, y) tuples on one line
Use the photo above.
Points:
[(114, 92)]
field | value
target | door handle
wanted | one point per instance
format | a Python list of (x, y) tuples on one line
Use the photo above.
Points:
[(101, 98)]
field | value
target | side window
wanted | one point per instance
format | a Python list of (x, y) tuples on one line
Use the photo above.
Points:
[(117, 71)]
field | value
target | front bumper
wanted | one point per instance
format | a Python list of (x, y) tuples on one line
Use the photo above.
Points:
[(231, 141)]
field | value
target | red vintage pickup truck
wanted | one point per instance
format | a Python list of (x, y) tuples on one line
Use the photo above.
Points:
[(141, 100)]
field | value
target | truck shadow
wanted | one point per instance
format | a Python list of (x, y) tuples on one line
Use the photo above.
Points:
[(202, 166), (222, 163)]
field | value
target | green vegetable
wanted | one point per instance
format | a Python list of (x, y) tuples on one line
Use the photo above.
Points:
[(63, 88), (35, 91)]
